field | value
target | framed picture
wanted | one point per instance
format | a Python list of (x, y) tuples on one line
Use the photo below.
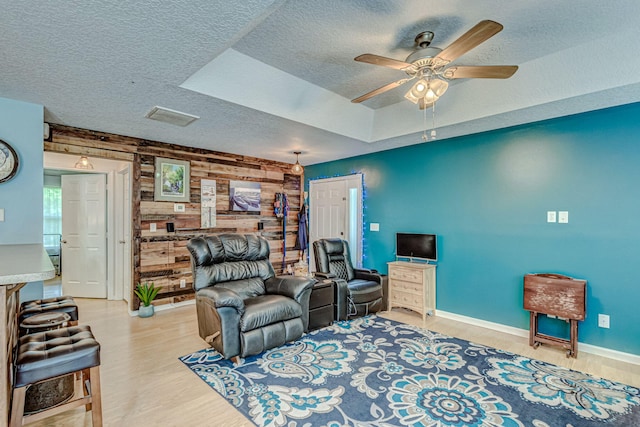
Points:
[(172, 180), (207, 203), (244, 196)]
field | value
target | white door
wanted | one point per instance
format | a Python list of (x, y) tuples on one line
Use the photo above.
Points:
[(327, 207), (123, 235), (84, 235), (335, 210)]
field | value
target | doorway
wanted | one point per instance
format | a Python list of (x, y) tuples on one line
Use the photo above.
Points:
[(335, 210), (117, 261)]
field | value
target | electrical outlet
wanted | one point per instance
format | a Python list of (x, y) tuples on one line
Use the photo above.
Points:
[(603, 321), (183, 283), (374, 226), (178, 207), (563, 217), (1, 214)]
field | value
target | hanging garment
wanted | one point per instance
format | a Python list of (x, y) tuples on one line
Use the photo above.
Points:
[(281, 205), (302, 243), (281, 210)]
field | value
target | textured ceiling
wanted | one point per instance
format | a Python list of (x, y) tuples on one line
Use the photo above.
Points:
[(277, 76)]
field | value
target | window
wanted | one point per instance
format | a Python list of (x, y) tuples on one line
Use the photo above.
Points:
[(52, 218)]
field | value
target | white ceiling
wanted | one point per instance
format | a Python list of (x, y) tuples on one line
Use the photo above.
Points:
[(270, 77)]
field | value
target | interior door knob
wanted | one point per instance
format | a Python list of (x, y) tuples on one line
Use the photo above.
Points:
[(64, 241)]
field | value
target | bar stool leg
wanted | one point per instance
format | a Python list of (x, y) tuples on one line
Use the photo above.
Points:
[(85, 378), (96, 396), (17, 408)]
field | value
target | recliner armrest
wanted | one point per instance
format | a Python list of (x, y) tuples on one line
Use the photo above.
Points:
[(324, 275), (365, 274), (223, 297), (289, 286)]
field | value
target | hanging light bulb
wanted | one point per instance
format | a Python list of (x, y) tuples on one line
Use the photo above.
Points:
[(83, 163), (297, 168)]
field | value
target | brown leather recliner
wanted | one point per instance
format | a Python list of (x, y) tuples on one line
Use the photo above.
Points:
[(358, 291), (243, 307)]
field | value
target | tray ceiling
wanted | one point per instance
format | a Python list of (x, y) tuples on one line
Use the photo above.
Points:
[(268, 78)]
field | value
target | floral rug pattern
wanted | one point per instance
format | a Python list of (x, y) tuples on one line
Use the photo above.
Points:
[(376, 372)]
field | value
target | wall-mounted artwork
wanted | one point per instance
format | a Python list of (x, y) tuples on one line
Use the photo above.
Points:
[(244, 196), (207, 203), (171, 180)]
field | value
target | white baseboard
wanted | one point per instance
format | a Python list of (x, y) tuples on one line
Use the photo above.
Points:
[(587, 348), (166, 306)]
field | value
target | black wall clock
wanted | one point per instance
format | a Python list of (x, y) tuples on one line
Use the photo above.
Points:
[(8, 162)]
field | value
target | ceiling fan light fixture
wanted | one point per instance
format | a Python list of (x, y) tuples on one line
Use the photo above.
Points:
[(435, 89), (297, 168), (417, 91), (429, 90)]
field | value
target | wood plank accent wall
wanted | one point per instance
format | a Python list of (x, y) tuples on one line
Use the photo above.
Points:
[(162, 257)]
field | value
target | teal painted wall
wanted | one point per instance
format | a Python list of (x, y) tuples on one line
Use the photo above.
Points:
[(21, 197), (486, 196)]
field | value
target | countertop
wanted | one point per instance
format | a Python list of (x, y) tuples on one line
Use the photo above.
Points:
[(24, 263)]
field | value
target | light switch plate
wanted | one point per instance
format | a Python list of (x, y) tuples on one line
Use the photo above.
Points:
[(1, 214), (178, 207), (551, 216), (563, 217), (374, 226), (152, 227)]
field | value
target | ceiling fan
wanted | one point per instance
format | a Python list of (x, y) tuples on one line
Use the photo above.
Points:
[(430, 65)]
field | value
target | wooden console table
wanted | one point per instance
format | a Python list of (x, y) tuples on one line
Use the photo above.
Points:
[(19, 264), (556, 295)]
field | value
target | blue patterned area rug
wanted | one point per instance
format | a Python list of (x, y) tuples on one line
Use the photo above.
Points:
[(377, 372)]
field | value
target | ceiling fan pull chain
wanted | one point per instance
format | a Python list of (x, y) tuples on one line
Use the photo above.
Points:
[(433, 128), (425, 138)]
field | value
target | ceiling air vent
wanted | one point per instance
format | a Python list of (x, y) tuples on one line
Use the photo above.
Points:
[(173, 117)]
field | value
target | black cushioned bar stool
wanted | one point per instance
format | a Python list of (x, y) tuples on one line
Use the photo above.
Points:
[(51, 354), (64, 304), (54, 391)]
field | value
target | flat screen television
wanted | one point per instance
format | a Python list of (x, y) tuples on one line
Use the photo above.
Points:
[(414, 245)]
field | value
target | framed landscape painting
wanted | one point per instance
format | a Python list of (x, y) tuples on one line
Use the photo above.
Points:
[(244, 196), (171, 180)]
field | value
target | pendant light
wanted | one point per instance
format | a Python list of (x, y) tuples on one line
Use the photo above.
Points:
[(83, 163), (297, 169)]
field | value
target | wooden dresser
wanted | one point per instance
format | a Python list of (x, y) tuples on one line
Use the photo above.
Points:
[(413, 286), (556, 295)]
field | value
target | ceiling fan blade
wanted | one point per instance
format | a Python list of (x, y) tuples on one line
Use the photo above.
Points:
[(382, 60), (483, 31), (482, 72), (380, 90)]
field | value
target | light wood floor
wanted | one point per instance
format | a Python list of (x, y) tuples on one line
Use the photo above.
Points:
[(144, 383)]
